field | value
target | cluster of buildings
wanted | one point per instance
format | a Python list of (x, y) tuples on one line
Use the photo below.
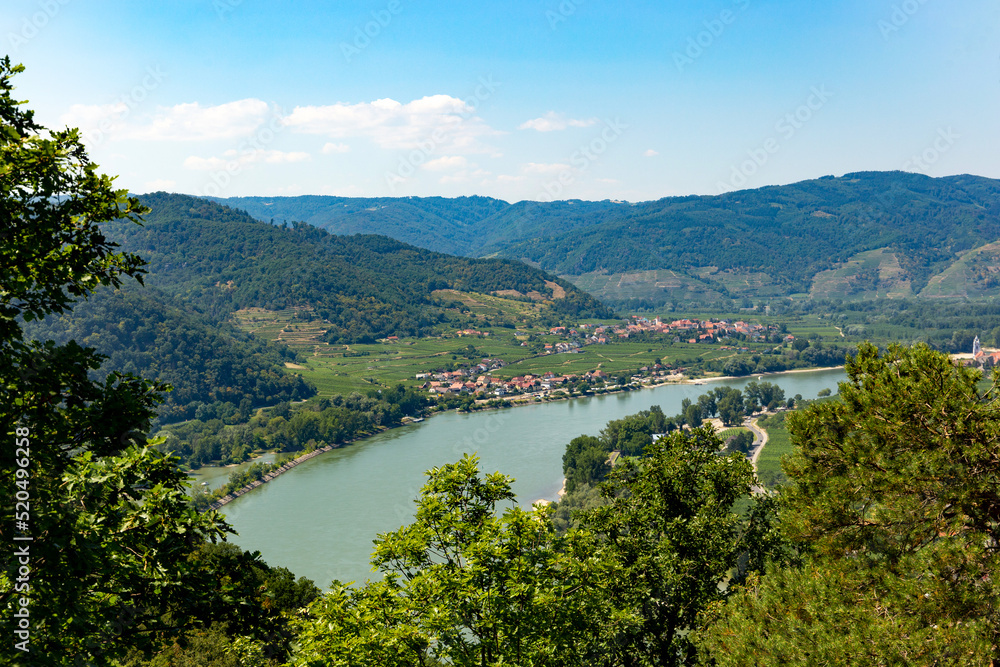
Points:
[(454, 383), (982, 358), (477, 380), (693, 331)]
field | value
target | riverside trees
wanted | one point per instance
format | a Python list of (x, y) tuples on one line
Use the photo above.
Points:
[(103, 553), (466, 586), (895, 507)]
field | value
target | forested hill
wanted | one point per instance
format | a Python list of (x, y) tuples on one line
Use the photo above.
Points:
[(790, 233), (366, 286), (470, 226), (436, 223), (857, 236), (215, 369)]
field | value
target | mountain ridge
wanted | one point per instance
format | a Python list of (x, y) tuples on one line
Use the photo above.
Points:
[(773, 241)]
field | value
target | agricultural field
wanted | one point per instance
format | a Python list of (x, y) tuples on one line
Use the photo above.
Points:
[(725, 434), (338, 369), (871, 274), (779, 445), (644, 285), (487, 305), (975, 274)]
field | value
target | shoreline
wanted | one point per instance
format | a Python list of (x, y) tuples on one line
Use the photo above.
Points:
[(230, 497), (684, 380), (651, 385)]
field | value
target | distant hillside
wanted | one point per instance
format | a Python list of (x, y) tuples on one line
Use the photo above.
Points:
[(216, 370), (365, 286), (863, 235), (781, 240), (470, 226)]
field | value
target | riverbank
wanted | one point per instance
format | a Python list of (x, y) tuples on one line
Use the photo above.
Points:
[(320, 521), (550, 396), (269, 476), (527, 400)]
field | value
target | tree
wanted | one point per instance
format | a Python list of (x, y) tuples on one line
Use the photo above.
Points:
[(105, 569), (464, 586), (896, 509), (672, 537), (729, 404), (765, 394), (741, 443)]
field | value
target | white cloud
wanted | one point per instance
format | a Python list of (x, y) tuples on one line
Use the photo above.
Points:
[(232, 158), (446, 163), (96, 121), (332, 149), (650, 153), (182, 122), (540, 168), (553, 121), (160, 184), (441, 121)]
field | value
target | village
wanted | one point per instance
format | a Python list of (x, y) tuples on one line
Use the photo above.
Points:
[(478, 379)]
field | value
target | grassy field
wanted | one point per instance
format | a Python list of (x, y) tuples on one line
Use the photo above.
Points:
[(730, 432), (778, 445), (337, 369)]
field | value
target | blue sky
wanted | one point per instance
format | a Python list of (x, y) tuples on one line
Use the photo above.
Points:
[(532, 99)]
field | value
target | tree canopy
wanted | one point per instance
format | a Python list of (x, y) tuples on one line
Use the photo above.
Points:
[(894, 507), (101, 560)]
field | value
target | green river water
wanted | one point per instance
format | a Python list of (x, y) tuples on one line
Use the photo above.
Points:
[(319, 519)]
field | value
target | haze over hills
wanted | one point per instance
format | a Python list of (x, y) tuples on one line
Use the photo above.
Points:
[(470, 226), (365, 286), (861, 235), (207, 261)]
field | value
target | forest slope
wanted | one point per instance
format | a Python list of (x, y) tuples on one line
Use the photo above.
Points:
[(365, 286), (861, 235)]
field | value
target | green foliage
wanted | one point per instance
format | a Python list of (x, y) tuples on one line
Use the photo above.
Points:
[(465, 586), (208, 364), (895, 507), (327, 422), (364, 287), (739, 443), (585, 461), (672, 536), (840, 615), (568, 511)]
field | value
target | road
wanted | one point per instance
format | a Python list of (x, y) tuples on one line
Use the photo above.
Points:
[(759, 440)]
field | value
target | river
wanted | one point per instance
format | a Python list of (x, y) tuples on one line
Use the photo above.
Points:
[(319, 519)]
